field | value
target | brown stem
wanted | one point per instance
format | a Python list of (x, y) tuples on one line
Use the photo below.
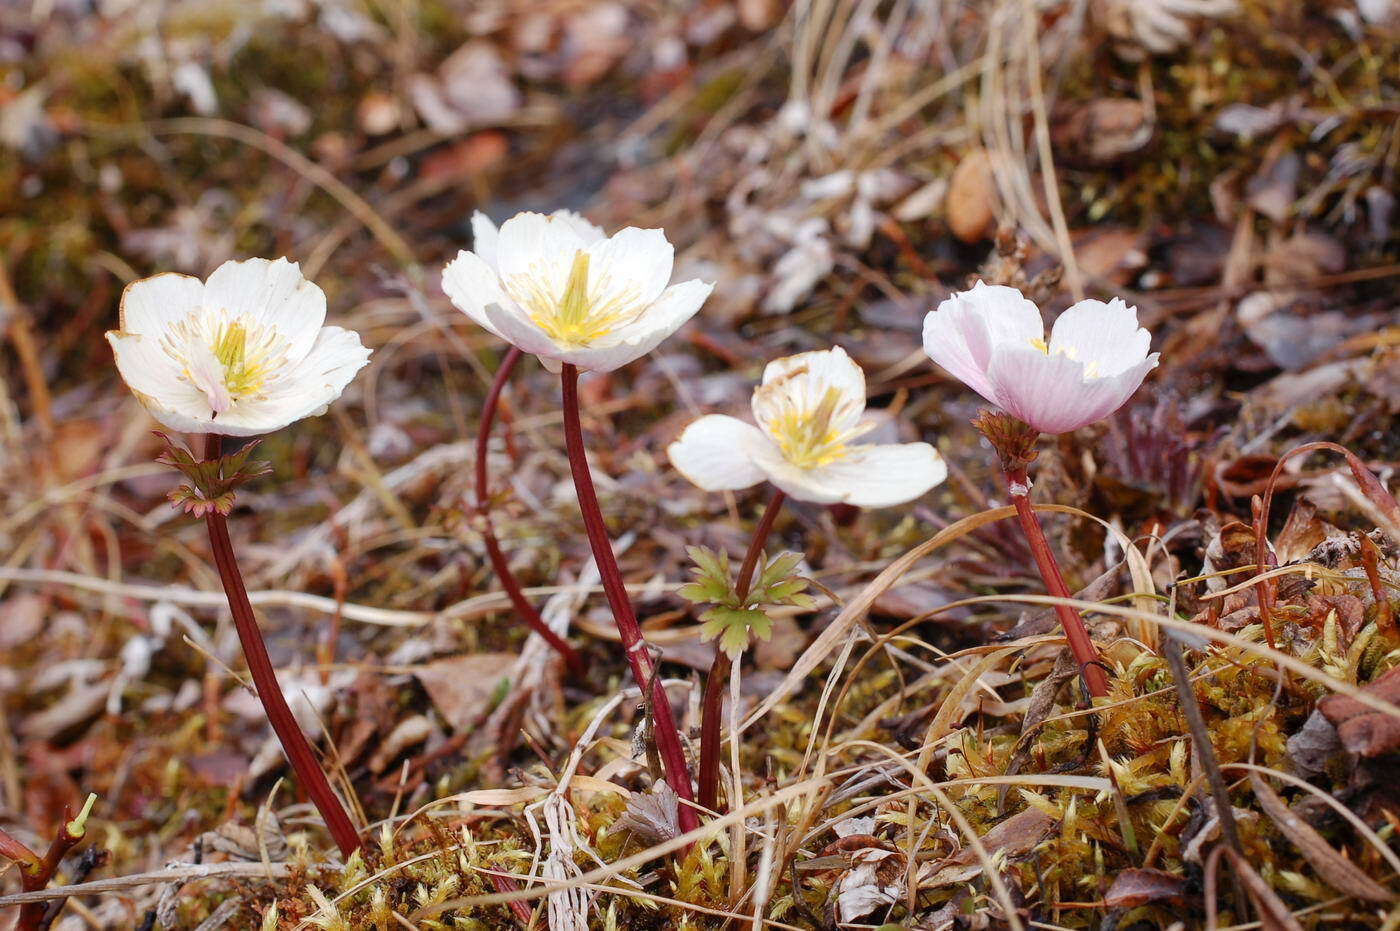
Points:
[(1018, 484), (708, 776), (523, 609), (284, 724), (667, 736)]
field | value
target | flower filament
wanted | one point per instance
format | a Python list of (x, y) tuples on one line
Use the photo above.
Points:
[(1091, 368), (227, 359), (810, 436), (583, 312)]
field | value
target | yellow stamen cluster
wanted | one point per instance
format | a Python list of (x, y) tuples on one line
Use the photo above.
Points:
[(809, 437), (244, 373), (581, 314), (1091, 369), (245, 355)]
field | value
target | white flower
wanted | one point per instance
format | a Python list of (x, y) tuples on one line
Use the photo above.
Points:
[(810, 411), (558, 287), (242, 354), (993, 339)]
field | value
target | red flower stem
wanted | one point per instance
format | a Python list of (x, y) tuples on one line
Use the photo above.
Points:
[(523, 609), (1018, 484), (664, 731), (284, 724), (708, 777)]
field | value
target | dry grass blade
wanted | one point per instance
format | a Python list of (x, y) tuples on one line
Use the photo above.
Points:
[(836, 633), (1339, 872)]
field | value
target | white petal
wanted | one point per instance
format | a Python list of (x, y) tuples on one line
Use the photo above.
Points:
[(538, 247), (1105, 337), (484, 239), (587, 231), (966, 328), (802, 484), (713, 453), (272, 293), (882, 476), (810, 375), (667, 314), (151, 305), (507, 321), (634, 262), (157, 381), (676, 305), (303, 391), (1050, 392), (471, 284)]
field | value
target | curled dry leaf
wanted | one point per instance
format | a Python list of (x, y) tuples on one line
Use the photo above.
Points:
[(1011, 839), (1134, 887), (972, 197), (1363, 729)]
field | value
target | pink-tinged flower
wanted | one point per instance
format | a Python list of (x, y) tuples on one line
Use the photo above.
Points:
[(556, 286), (810, 412), (241, 354), (993, 339)]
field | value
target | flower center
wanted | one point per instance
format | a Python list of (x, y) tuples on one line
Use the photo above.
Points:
[(585, 311), (1091, 369), (226, 359), (809, 438)]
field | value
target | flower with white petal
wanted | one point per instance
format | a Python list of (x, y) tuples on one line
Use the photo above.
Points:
[(810, 411), (993, 339), (241, 354), (558, 287)]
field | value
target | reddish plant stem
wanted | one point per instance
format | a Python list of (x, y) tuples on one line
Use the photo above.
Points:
[(664, 731), (284, 724), (1018, 484), (35, 871), (523, 609), (708, 777)]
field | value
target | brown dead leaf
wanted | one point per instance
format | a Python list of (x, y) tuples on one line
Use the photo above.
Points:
[(461, 687), (1363, 729), (972, 197), (1015, 837), (1134, 887)]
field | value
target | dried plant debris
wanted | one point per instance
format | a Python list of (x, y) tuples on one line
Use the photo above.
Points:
[(838, 169)]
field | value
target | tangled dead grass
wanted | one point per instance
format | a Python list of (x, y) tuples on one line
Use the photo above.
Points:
[(833, 169)]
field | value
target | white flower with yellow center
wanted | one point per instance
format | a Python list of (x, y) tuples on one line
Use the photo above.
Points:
[(993, 340), (810, 411), (558, 287), (241, 354)]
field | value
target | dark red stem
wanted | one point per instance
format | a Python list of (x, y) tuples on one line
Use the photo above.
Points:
[(523, 609), (664, 731), (1018, 484), (284, 724), (708, 778)]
